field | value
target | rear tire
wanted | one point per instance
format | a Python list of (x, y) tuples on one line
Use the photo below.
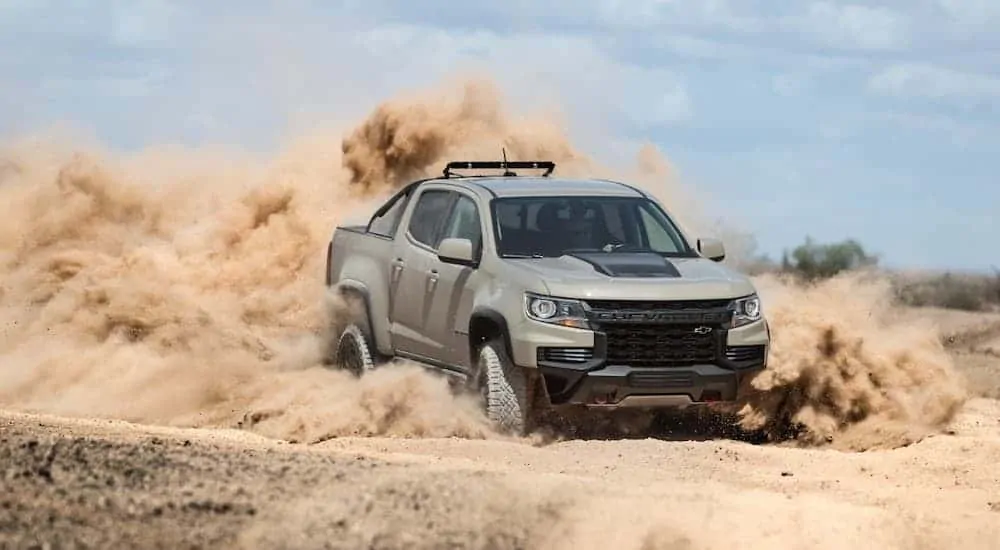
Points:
[(347, 340), (507, 389), (353, 351)]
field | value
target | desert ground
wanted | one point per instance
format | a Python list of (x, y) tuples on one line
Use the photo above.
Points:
[(89, 483)]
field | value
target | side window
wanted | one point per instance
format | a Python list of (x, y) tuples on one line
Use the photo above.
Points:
[(428, 215), (464, 223), (386, 224)]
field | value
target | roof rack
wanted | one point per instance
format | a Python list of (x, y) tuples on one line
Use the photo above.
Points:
[(504, 165)]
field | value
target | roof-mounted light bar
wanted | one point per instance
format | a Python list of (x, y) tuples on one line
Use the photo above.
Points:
[(504, 165)]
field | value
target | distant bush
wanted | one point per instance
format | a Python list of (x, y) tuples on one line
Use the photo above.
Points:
[(812, 260), (968, 292)]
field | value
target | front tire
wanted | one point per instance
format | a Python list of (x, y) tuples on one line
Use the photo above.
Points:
[(506, 388)]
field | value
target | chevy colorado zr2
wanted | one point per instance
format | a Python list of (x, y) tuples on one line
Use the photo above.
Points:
[(541, 292)]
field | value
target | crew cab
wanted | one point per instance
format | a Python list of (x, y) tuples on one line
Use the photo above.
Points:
[(544, 292)]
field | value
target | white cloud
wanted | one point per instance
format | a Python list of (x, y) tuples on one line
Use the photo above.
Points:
[(828, 23), (141, 22), (12, 5), (184, 70), (375, 62), (649, 13), (852, 26), (788, 84), (691, 46), (959, 133), (971, 12), (930, 81)]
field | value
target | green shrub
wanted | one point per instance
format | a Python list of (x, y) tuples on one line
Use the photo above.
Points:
[(969, 292), (812, 260)]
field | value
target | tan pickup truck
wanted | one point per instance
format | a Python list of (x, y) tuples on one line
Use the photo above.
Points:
[(543, 292)]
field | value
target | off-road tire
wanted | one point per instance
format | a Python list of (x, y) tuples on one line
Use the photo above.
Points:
[(353, 352), (508, 390)]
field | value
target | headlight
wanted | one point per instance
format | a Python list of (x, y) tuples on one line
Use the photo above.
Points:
[(558, 311), (745, 310)]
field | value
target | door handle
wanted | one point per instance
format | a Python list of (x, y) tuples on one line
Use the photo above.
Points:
[(432, 279), (397, 267)]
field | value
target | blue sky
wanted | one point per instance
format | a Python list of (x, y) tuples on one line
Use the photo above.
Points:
[(878, 120)]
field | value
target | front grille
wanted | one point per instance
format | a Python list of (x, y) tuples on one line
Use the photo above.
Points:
[(565, 355), (648, 345), (745, 354), (661, 333)]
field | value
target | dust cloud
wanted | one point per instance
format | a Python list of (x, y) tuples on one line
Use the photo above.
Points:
[(185, 287), (167, 287), (845, 369), (414, 136)]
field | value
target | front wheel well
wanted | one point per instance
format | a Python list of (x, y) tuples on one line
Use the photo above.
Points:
[(486, 326)]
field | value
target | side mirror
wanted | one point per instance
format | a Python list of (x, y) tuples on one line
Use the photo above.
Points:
[(456, 251), (713, 249)]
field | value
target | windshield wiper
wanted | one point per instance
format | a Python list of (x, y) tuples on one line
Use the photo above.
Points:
[(624, 248), (523, 256)]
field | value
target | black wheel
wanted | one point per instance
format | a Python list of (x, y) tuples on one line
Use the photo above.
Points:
[(347, 338), (507, 389), (353, 352)]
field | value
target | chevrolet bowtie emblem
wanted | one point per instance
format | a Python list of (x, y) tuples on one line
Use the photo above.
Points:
[(703, 330)]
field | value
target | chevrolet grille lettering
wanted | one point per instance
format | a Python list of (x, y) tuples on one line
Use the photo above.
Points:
[(658, 317)]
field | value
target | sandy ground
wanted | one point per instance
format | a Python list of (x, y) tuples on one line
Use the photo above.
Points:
[(974, 341), (72, 483)]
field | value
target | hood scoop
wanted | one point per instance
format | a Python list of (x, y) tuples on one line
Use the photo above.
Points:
[(629, 264)]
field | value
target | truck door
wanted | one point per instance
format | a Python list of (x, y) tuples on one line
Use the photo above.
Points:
[(411, 270), (450, 299)]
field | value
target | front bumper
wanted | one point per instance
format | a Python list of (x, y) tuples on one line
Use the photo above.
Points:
[(576, 370), (619, 386)]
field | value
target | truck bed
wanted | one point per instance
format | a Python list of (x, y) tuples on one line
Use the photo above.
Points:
[(353, 245), (351, 228)]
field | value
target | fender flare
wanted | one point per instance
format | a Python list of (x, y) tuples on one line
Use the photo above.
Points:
[(327, 276), (494, 316), (349, 287)]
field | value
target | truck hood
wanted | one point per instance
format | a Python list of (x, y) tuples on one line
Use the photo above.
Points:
[(641, 276)]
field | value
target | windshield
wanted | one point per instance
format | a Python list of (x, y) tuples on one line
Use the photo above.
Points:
[(554, 226)]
